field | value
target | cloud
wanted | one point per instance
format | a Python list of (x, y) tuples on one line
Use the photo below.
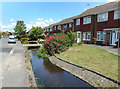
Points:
[(31, 22), (12, 20), (39, 19), (42, 23), (8, 27), (110, 0)]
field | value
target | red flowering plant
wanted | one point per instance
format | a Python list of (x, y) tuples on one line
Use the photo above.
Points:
[(105, 42), (54, 44), (117, 44)]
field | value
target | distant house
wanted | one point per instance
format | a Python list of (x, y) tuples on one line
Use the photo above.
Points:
[(5, 34)]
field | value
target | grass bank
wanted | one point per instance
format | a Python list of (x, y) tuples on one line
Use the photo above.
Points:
[(94, 58)]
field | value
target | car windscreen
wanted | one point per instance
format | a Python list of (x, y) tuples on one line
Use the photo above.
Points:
[(12, 38)]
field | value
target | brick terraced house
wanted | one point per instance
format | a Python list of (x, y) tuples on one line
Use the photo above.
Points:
[(101, 22)]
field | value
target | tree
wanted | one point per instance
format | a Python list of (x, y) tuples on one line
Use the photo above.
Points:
[(20, 29), (35, 33), (0, 35)]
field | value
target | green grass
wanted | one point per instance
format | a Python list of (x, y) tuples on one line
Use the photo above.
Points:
[(93, 58)]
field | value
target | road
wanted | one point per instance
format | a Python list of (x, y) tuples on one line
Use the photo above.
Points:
[(13, 71), (5, 48)]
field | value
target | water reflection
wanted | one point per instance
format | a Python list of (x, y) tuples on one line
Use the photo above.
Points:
[(49, 75)]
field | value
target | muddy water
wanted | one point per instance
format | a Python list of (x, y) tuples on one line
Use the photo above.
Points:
[(49, 75)]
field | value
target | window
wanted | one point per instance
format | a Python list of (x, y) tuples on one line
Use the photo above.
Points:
[(87, 20), (86, 35), (102, 17), (65, 26), (101, 36), (77, 21), (55, 27), (70, 25), (47, 29), (117, 14), (50, 29), (59, 27)]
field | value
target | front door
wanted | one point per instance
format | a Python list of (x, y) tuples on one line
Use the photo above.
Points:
[(114, 37), (78, 36)]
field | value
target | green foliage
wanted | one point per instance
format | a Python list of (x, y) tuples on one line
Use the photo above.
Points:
[(57, 43), (36, 33), (40, 41), (80, 43), (71, 38), (24, 40), (0, 35), (42, 53), (20, 29)]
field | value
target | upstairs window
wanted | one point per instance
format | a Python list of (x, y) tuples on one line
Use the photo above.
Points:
[(70, 25), (102, 17), (117, 14), (86, 36), (87, 20), (77, 21), (65, 26), (101, 36), (59, 27)]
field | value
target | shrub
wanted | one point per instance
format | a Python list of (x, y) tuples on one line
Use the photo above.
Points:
[(80, 43), (42, 53), (40, 41), (0, 35), (56, 44), (24, 40), (71, 38)]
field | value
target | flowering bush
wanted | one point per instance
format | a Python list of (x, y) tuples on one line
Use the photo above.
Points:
[(56, 44), (105, 42)]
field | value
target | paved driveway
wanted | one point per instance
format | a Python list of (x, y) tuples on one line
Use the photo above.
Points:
[(108, 48)]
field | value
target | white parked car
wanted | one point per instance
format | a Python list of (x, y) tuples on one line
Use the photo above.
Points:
[(11, 39)]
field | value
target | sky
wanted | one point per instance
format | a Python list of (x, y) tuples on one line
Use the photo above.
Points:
[(40, 13)]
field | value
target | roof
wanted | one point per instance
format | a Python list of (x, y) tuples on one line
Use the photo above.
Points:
[(64, 21), (100, 9)]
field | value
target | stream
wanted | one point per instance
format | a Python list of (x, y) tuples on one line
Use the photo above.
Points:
[(49, 75)]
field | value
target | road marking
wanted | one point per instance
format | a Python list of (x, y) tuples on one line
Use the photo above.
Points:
[(11, 51)]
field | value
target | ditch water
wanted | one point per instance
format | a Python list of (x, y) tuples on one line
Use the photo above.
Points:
[(49, 75)]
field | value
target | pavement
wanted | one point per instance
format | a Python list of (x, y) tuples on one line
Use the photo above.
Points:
[(14, 73), (111, 49)]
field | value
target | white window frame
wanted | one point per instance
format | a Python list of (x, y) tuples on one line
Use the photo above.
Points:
[(77, 21), (102, 17), (55, 28), (47, 29), (70, 25), (87, 20), (65, 26), (86, 35), (102, 35), (117, 14), (50, 29), (59, 27)]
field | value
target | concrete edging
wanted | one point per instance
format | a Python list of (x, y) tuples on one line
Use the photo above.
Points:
[(32, 82), (92, 77)]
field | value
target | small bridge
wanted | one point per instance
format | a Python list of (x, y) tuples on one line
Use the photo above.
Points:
[(32, 44)]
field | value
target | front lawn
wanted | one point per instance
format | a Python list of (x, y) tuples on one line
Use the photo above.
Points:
[(93, 58)]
